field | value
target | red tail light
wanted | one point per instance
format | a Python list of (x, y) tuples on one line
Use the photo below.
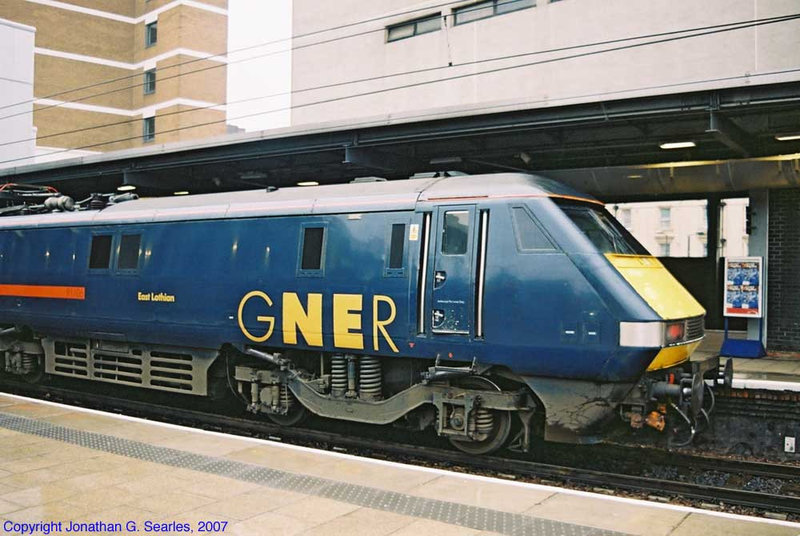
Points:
[(676, 332)]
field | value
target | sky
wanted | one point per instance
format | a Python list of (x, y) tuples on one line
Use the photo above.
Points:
[(252, 23)]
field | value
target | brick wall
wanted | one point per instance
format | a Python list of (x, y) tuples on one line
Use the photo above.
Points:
[(783, 271)]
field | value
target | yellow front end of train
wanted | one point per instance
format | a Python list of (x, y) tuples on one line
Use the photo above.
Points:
[(683, 316)]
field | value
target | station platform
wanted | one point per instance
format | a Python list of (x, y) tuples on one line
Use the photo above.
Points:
[(773, 372), (65, 468)]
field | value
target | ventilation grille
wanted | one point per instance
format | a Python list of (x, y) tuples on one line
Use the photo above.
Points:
[(71, 359), (695, 328), (156, 368)]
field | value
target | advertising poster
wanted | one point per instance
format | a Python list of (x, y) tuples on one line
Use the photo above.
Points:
[(743, 278)]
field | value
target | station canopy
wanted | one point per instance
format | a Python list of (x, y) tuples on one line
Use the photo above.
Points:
[(729, 140)]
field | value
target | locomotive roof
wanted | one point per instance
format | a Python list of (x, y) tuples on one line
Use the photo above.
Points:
[(327, 199)]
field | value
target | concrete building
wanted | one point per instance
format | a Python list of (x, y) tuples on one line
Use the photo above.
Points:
[(117, 74), (422, 57), (16, 90), (680, 228)]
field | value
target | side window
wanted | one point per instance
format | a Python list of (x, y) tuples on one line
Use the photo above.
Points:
[(100, 255), (455, 232), (312, 248), (129, 252), (397, 244), (528, 234)]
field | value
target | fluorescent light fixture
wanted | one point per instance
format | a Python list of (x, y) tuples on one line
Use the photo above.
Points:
[(635, 176), (126, 188), (787, 137), (308, 183), (678, 145), (182, 192)]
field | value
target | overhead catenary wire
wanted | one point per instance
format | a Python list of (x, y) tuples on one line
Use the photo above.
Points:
[(244, 49), (435, 113), (274, 53), (692, 32), (455, 77)]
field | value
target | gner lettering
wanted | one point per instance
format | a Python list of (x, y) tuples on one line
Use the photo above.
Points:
[(305, 317)]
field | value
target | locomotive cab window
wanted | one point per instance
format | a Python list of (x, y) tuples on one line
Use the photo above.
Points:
[(129, 252), (529, 235), (312, 250), (100, 255), (455, 232), (602, 230)]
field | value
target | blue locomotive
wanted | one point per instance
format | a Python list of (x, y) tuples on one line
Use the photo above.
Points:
[(475, 306)]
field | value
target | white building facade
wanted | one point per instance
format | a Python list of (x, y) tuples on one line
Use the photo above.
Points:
[(415, 59), (17, 134)]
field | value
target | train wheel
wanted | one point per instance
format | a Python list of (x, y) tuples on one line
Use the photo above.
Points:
[(295, 412), (497, 423)]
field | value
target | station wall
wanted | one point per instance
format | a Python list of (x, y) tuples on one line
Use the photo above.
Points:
[(783, 271)]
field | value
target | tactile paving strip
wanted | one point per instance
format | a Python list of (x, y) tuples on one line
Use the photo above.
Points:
[(447, 512)]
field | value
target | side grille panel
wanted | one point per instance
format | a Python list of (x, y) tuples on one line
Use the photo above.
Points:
[(695, 328), (182, 370)]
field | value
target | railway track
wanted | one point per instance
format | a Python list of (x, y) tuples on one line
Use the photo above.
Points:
[(672, 484)]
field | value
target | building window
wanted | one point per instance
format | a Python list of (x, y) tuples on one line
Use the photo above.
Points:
[(489, 8), (149, 129), (149, 81), (625, 218), (150, 34), (414, 27), (665, 217), (665, 249)]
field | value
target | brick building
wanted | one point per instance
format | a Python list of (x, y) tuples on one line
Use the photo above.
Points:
[(133, 59)]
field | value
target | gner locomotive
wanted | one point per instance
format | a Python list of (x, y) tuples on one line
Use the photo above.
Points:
[(476, 306)]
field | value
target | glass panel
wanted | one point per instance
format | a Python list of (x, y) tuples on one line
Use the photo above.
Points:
[(682, 225), (151, 34), (149, 128), (129, 252), (607, 235), (150, 81), (312, 248), (397, 245), (400, 32), (504, 6), (431, 24), (455, 232), (529, 236), (101, 252), (474, 12)]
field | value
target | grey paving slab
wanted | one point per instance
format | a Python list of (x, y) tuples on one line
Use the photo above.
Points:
[(355, 496)]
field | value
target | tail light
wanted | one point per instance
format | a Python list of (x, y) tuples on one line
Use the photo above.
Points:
[(675, 332)]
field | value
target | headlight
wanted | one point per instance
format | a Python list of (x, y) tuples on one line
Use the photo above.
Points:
[(641, 334), (652, 334)]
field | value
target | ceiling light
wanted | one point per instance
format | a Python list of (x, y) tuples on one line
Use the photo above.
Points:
[(126, 188), (182, 192), (635, 176), (678, 145), (308, 183), (787, 137)]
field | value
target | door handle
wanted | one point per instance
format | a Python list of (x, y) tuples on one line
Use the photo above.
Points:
[(439, 277)]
